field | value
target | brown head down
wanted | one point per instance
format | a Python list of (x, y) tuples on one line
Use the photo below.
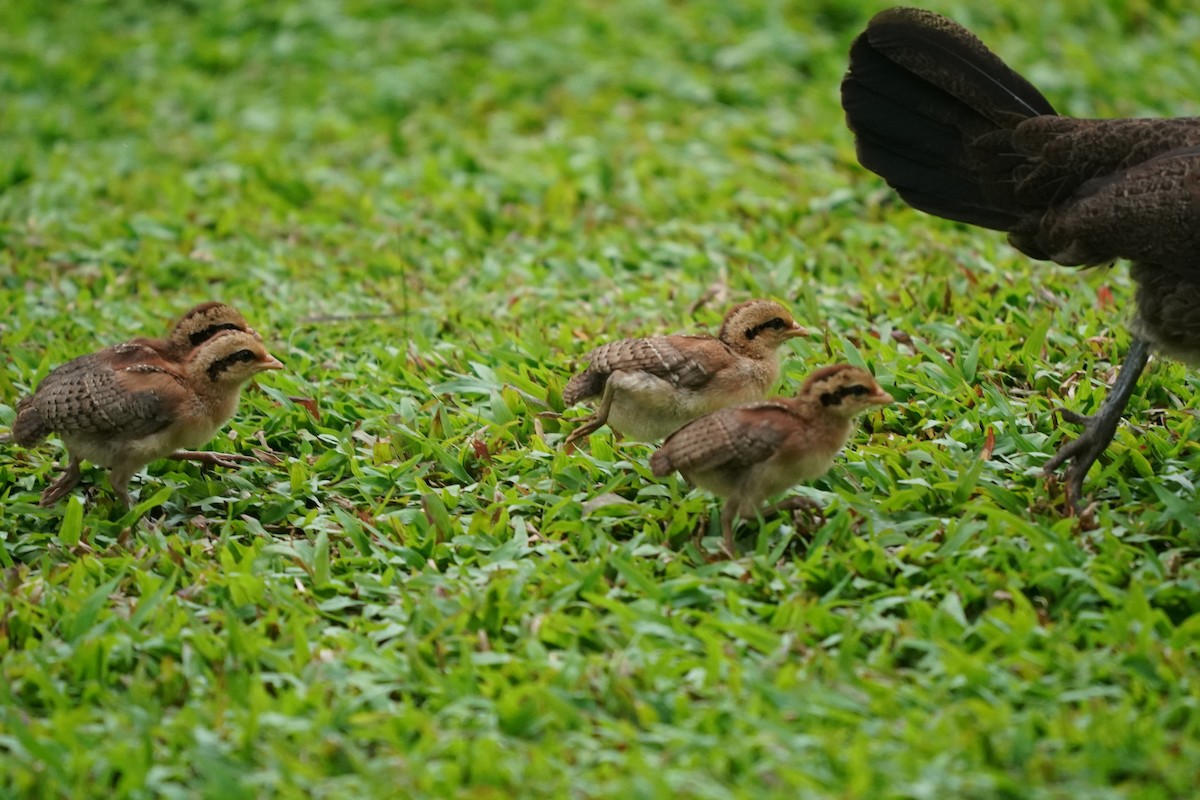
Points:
[(843, 389), (228, 360), (203, 322), (756, 327)]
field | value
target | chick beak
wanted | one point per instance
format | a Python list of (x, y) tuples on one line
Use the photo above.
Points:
[(796, 330), (270, 362), (881, 398)]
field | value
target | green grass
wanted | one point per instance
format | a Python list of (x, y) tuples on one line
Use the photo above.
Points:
[(432, 211)]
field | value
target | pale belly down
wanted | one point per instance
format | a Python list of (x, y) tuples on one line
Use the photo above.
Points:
[(748, 488), (648, 408), (115, 452)]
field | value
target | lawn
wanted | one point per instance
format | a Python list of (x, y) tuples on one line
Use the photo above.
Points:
[(432, 210)]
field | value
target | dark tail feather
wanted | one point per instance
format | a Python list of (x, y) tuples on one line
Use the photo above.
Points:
[(932, 110)]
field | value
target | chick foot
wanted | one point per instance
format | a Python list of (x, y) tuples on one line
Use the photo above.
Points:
[(212, 458), (61, 487)]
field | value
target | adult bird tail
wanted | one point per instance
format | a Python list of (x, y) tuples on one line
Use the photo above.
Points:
[(933, 112)]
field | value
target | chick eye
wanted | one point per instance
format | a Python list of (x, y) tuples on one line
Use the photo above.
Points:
[(858, 389), (243, 355), (774, 324)]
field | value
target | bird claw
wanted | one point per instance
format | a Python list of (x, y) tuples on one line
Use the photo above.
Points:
[(212, 458), (589, 426), (1098, 432), (798, 502), (727, 551), (61, 487), (794, 504), (1098, 429), (55, 492), (232, 459)]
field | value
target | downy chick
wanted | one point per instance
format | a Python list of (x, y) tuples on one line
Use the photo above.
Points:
[(199, 324), (751, 452), (122, 412), (648, 387)]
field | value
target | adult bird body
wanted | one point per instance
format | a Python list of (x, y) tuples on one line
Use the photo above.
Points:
[(959, 134)]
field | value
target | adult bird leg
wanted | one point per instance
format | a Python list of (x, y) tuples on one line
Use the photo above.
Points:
[(1099, 428)]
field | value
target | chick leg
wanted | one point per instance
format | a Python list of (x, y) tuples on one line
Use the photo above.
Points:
[(728, 515), (209, 457), (65, 483), (1099, 428), (118, 479), (595, 421)]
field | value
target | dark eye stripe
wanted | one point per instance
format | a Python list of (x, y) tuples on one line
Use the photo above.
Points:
[(212, 330), (223, 364), (834, 398), (774, 324)]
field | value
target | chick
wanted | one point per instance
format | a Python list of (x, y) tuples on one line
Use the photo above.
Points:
[(128, 405), (649, 387), (751, 452), (199, 324)]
